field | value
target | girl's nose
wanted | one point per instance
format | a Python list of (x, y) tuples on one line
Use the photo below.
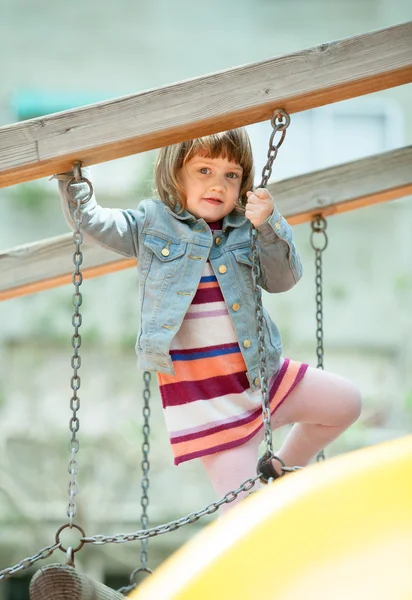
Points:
[(218, 184)]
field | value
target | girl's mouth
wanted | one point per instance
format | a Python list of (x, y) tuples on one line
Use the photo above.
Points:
[(214, 201)]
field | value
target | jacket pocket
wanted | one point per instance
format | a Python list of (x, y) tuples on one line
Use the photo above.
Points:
[(243, 256), (162, 257), (244, 259)]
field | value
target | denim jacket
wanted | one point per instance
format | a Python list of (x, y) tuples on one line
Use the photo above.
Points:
[(171, 250)]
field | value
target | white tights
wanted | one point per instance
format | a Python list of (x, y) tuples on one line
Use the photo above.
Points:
[(321, 406)]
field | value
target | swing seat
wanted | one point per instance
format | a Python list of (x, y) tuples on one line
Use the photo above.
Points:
[(62, 582)]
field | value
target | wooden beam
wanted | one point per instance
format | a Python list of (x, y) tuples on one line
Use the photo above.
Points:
[(248, 94), (46, 264), (349, 186)]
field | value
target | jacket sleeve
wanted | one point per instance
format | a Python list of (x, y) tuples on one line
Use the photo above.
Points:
[(115, 229), (280, 263)]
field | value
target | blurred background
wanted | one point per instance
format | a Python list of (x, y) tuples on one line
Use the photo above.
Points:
[(58, 55)]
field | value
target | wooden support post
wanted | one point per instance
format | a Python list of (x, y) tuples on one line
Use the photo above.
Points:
[(61, 582), (307, 79)]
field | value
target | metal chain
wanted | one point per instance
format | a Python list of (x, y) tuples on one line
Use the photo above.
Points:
[(145, 482), (26, 563), (144, 519), (75, 382), (74, 423), (120, 538), (319, 225), (280, 122)]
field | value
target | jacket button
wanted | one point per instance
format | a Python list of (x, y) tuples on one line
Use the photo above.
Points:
[(218, 241), (247, 343), (165, 251), (222, 269), (277, 225), (256, 381), (235, 306)]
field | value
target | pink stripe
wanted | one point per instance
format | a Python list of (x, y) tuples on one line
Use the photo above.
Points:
[(226, 346), (202, 430), (279, 377), (182, 435), (225, 424), (206, 313), (302, 370), (212, 294), (219, 448), (176, 394)]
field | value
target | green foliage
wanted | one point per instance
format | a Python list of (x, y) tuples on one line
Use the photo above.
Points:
[(2, 398), (403, 282), (32, 197), (337, 292), (408, 400)]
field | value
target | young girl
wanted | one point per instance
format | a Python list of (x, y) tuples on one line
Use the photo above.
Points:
[(197, 309)]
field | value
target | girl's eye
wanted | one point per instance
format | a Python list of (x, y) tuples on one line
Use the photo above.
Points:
[(233, 175), (204, 170)]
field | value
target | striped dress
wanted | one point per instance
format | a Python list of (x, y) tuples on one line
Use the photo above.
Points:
[(208, 404)]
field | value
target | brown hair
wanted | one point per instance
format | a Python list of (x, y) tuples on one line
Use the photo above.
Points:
[(234, 145)]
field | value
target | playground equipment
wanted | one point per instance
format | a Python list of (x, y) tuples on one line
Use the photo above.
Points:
[(51, 144)]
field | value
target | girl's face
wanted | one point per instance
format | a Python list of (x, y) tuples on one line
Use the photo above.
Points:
[(211, 185)]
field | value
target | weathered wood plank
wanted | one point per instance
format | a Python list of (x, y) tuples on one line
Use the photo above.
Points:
[(379, 178), (46, 264), (248, 94)]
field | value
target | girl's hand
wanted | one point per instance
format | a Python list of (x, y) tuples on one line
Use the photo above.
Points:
[(259, 207)]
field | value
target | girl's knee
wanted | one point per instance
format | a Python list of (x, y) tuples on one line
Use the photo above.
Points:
[(352, 403), (344, 401)]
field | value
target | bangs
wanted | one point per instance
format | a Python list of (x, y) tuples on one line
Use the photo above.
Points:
[(228, 145)]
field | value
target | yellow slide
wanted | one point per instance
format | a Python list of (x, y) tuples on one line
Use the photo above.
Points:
[(338, 530)]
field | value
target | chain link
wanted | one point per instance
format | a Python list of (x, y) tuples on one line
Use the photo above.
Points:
[(75, 381), (145, 482), (280, 122), (133, 583), (121, 538), (144, 519), (319, 225), (145, 534), (26, 563)]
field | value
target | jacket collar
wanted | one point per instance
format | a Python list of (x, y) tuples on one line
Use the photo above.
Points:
[(183, 215), (234, 219)]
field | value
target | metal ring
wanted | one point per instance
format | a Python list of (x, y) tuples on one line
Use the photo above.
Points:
[(280, 460), (134, 573), (265, 468), (82, 180), (280, 114), (58, 532), (318, 223)]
